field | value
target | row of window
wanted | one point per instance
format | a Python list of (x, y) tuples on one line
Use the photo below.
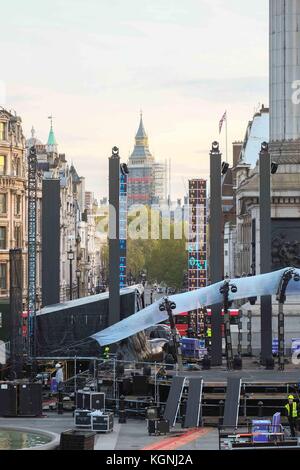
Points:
[(3, 166), (3, 276), (3, 204), (17, 237), (2, 130)]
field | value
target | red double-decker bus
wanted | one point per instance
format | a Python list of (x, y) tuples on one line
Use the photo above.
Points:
[(182, 320)]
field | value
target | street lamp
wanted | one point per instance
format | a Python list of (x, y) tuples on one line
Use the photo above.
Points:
[(71, 258), (78, 272)]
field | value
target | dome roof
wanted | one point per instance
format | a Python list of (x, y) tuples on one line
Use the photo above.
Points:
[(33, 141)]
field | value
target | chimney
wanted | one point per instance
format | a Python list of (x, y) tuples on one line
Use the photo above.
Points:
[(237, 147)]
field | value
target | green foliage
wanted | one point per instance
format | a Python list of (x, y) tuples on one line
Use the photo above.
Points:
[(163, 261)]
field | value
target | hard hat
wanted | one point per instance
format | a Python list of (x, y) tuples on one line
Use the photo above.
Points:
[(291, 397)]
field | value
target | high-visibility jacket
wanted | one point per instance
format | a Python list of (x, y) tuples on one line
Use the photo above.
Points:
[(293, 413), (106, 353), (208, 333)]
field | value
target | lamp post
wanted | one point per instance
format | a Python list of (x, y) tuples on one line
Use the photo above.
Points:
[(71, 258), (78, 272)]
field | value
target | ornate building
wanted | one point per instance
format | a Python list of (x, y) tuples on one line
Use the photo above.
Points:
[(147, 181), (12, 193), (76, 227)]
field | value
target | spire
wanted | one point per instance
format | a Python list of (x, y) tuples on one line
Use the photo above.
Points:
[(141, 133), (33, 132), (141, 149), (51, 144)]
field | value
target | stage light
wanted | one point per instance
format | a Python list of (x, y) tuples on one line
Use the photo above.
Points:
[(234, 289), (225, 168), (274, 168)]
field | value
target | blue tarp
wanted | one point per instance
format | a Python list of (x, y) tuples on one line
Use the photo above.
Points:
[(256, 286)]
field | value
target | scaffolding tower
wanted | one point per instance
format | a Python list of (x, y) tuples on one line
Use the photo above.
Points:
[(30, 347)]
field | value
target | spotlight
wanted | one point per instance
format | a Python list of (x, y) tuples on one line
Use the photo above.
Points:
[(225, 167), (274, 168), (265, 147), (215, 146), (252, 300), (115, 151), (124, 169), (172, 305), (296, 277), (162, 307), (234, 289)]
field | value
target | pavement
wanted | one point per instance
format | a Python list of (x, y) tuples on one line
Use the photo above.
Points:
[(130, 436)]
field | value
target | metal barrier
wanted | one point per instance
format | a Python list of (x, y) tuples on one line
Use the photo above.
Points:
[(233, 437)]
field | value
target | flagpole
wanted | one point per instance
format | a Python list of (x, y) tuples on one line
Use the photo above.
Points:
[(226, 140)]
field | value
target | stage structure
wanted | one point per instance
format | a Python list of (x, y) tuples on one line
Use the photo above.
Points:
[(16, 307), (29, 339), (123, 224), (197, 250), (114, 237)]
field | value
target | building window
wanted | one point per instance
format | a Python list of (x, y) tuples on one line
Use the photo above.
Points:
[(2, 165), (3, 284), (18, 204), (3, 208), (18, 167), (2, 131), (18, 239), (2, 238)]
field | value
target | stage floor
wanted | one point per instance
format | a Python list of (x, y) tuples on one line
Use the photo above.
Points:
[(252, 372)]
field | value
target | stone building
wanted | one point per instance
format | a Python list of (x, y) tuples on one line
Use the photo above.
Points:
[(12, 198)]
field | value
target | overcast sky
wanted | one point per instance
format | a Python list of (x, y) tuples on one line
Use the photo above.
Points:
[(94, 64)]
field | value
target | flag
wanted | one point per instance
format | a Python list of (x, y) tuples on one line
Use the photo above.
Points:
[(224, 118)]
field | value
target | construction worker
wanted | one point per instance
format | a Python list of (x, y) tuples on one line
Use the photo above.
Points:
[(59, 376), (106, 353), (208, 337), (292, 413)]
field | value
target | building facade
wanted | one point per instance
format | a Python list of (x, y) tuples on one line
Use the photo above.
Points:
[(77, 253), (12, 193)]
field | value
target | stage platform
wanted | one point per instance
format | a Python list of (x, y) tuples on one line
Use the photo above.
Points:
[(264, 377)]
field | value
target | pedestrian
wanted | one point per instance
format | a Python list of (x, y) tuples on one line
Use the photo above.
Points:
[(59, 376), (291, 409)]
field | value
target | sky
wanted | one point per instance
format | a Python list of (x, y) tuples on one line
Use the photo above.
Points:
[(94, 64)]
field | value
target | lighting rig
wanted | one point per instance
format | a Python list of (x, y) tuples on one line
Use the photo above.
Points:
[(288, 275), (169, 306), (224, 290)]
